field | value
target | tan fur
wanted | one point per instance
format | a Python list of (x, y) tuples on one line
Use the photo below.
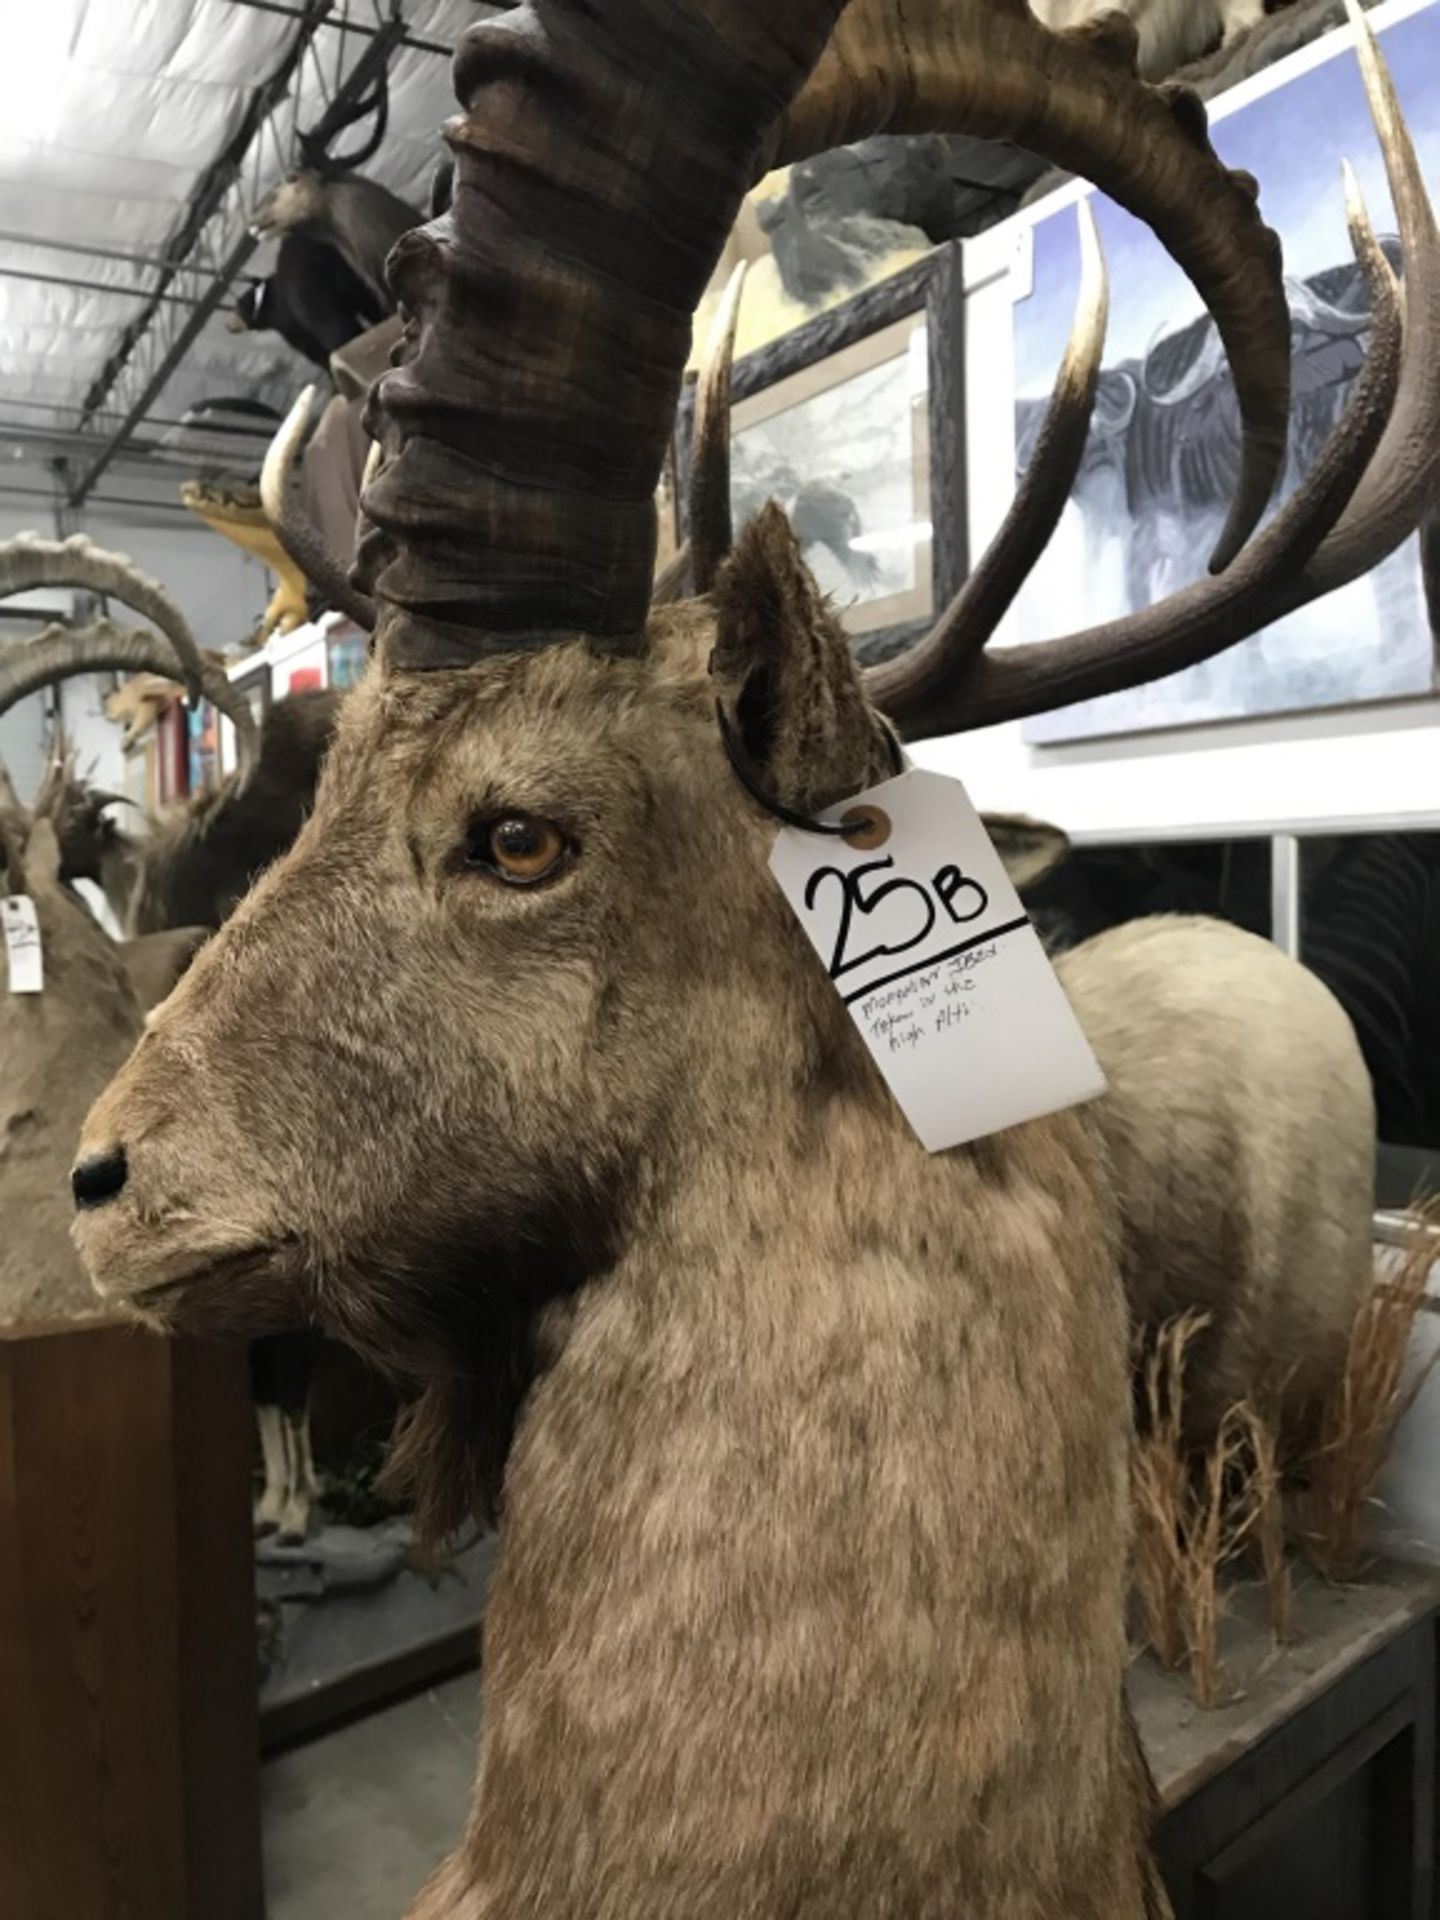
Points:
[(1241, 1123), (812, 1588), (57, 1050), (153, 962)]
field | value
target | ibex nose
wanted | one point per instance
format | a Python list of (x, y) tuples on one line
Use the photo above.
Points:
[(98, 1177)]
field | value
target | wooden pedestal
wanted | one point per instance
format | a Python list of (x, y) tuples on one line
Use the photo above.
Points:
[(1309, 1795), (129, 1773)]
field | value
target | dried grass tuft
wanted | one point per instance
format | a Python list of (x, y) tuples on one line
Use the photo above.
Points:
[(1262, 1490), (1161, 1487), (1359, 1415), (1194, 1515)]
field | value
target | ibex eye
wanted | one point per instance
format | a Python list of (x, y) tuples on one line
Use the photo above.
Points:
[(518, 847)]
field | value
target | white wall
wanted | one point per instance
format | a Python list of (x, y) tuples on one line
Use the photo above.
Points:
[(221, 590), (1372, 763), (22, 729)]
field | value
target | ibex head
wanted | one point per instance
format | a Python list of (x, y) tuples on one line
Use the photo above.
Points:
[(524, 979), (512, 987)]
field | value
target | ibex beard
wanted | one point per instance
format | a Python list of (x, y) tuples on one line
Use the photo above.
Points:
[(811, 1596)]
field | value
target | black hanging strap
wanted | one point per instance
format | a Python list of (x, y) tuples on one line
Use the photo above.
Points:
[(777, 808)]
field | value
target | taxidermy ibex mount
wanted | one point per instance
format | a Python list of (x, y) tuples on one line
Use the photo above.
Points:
[(519, 1073)]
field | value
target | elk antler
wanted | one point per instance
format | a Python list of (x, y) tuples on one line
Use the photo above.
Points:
[(989, 68), (708, 504), (280, 497), (28, 561), (57, 652), (1376, 478), (920, 680)]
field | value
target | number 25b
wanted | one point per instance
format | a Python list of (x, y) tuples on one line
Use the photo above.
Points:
[(962, 898)]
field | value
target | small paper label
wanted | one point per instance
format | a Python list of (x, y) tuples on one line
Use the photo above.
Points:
[(22, 943), (925, 939)]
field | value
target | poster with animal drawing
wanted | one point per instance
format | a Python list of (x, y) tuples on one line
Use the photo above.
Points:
[(843, 446), (1162, 457)]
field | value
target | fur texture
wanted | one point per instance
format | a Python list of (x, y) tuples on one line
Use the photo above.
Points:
[(1241, 1125), (57, 1050), (811, 1597)]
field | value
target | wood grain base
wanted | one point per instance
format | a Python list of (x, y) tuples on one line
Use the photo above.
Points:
[(129, 1776)]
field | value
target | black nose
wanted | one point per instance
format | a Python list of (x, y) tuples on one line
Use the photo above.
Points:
[(98, 1179)]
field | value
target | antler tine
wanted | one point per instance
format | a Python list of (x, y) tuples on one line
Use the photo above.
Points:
[(912, 681), (1430, 569), (1401, 488), (672, 582), (280, 497), (711, 534), (989, 68), (57, 652), (28, 561), (1269, 578)]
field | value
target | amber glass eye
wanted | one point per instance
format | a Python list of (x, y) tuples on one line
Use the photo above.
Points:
[(519, 847)]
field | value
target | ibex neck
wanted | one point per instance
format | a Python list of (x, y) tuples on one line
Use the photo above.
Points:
[(803, 1529)]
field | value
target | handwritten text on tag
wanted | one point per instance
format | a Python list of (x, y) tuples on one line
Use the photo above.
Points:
[(922, 932), (22, 943)]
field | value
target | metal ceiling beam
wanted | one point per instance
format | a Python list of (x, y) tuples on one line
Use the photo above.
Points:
[(149, 453), (410, 40), (262, 430), (218, 179), (89, 286), (209, 195), (8, 492), (84, 246)]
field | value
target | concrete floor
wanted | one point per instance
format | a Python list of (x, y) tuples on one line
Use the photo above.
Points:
[(356, 1821)]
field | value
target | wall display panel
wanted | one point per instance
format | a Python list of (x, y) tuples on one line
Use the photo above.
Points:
[(1162, 458)]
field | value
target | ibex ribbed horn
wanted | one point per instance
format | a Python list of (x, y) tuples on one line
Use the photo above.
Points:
[(518, 503)]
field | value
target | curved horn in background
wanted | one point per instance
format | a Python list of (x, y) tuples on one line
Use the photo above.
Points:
[(57, 652), (28, 561), (280, 497)]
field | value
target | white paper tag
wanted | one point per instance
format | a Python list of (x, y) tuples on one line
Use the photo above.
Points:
[(22, 943), (928, 945)]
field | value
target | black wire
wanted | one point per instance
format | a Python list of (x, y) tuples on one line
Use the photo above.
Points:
[(777, 808)]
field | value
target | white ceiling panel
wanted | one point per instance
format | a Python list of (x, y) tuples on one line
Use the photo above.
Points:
[(112, 113)]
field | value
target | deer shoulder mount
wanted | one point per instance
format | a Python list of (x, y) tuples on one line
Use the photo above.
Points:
[(517, 1071)]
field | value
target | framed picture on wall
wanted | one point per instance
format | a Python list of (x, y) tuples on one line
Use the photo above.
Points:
[(853, 423), (1162, 457)]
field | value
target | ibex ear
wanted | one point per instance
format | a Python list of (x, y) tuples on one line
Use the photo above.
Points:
[(1028, 848), (785, 676)]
